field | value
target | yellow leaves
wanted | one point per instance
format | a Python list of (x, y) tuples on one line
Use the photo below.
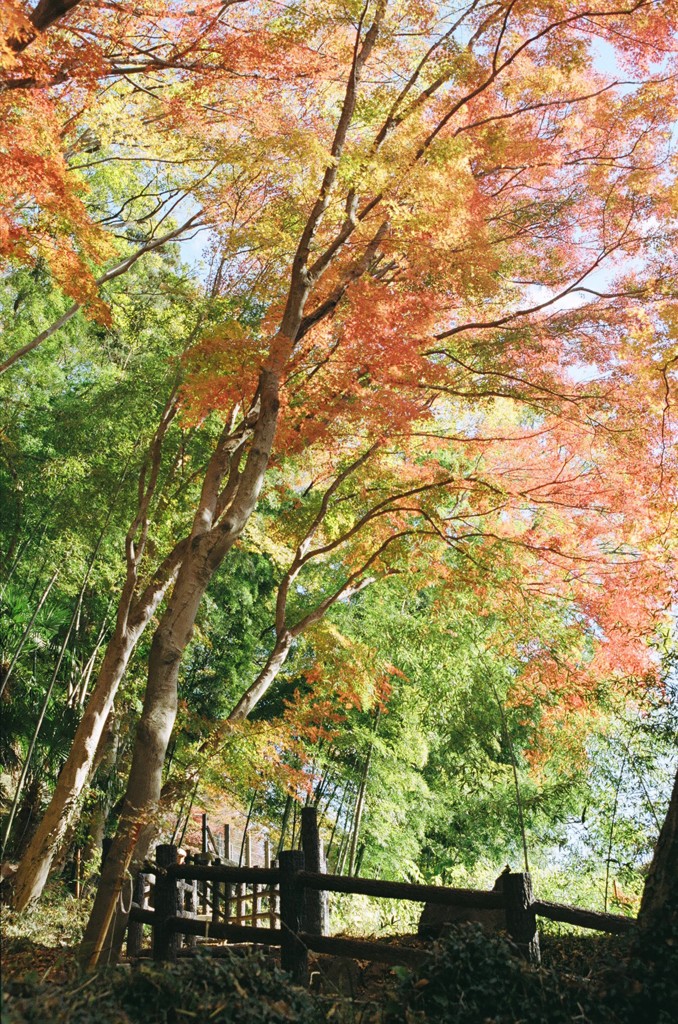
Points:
[(221, 373), (438, 199), (148, 126), (670, 318), (258, 534), (42, 206), (345, 670), (672, 195)]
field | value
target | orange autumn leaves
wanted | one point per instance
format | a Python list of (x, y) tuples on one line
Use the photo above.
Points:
[(56, 83), (482, 175)]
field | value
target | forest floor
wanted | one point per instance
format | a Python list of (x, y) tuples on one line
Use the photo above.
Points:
[(470, 978)]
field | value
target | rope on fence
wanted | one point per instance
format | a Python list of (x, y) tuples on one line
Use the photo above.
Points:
[(121, 902)]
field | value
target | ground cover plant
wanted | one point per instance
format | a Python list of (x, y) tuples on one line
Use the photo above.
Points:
[(469, 977), (233, 990), (472, 978)]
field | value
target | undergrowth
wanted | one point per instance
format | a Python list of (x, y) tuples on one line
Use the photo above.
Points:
[(234, 990), (469, 977), (473, 978), (57, 921)]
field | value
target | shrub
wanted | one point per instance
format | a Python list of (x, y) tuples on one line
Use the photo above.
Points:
[(474, 978), (235, 989)]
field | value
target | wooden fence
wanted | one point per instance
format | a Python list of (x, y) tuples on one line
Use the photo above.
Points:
[(215, 901)]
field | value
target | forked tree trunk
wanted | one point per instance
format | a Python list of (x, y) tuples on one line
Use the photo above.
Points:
[(222, 514), (211, 539)]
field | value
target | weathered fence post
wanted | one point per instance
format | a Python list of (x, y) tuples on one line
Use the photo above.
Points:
[(216, 895), (228, 848), (190, 904), (135, 929), (256, 904), (274, 902), (240, 894), (293, 954), (316, 903), (165, 938), (268, 891), (228, 903), (521, 920), (203, 886)]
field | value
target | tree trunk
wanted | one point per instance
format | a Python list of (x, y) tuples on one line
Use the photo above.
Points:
[(45, 14), (659, 905), (211, 539), (34, 869), (266, 677), (150, 746), (220, 518)]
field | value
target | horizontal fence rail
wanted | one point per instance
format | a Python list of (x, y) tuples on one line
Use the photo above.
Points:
[(231, 932), (490, 900), (613, 923), (223, 903), (217, 873), (362, 949)]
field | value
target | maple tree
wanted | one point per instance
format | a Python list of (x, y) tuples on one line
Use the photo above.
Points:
[(70, 71), (341, 242)]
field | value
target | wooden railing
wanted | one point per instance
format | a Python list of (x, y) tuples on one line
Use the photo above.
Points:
[(212, 902)]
